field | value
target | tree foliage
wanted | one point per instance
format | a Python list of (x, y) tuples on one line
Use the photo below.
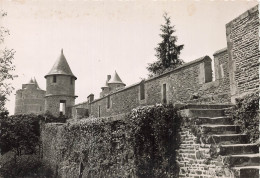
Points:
[(167, 52), (6, 66), (19, 133)]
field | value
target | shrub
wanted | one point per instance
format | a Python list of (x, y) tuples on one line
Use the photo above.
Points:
[(25, 166), (246, 114), (155, 132)]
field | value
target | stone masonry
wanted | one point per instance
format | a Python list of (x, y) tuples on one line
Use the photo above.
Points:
[(219, 149)]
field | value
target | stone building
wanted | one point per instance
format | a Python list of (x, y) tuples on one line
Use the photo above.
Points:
[(60, 88), (30, 99)]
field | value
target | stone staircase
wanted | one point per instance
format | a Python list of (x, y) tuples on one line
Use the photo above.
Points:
[(236, 157)]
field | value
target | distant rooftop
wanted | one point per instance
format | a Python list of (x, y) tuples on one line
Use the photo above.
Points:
[(115, 79)]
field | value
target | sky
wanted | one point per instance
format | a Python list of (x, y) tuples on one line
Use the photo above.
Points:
[(99, 37)]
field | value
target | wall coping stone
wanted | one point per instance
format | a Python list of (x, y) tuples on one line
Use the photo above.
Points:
[(220, 51), (242, 16)]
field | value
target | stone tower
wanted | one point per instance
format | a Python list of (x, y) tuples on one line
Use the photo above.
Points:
[(115, 82), (29, 99), (112, 84), (60, 88)]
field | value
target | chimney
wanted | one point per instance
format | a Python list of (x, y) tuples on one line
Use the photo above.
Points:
[(90, 98), (108, 77)]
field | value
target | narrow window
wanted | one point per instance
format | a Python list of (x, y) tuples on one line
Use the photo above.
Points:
[(98, 111), (164, 94), (54, 79), (40, 108), (71, 80), (108, 101), (62, 107), (142, 91)]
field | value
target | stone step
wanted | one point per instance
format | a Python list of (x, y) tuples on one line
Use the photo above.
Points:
[(245, 160), (238, 149), (227, 139), (202, 112), (215, 120), (220, 129), (247, 172), (203, 106)]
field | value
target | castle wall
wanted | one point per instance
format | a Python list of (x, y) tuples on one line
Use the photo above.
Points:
[(29, 100), (191, 82), (71, 149), (243, 49)]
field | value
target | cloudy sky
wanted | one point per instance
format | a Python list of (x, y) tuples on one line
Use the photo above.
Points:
[(99, 37)]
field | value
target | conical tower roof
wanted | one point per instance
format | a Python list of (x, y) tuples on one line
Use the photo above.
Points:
[(61, 67), (36, 83), (115, 79), (30, 81)]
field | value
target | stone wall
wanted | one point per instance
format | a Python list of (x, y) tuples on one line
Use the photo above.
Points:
[(195, 159), (243, 50), (52, 104), (192, 82), (88, 148)]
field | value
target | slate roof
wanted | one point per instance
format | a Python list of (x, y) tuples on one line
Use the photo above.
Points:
[(115, 79), (61, 67)]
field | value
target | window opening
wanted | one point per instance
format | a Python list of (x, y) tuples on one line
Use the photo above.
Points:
[(108, 101), (54, 79), (98, 111), (142, 91), (164, 94), (62, 107)]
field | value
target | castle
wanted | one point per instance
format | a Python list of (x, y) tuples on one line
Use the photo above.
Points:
[(236, 74), (59, 96)]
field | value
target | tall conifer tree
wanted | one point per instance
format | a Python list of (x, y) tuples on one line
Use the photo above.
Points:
[(167, 52)]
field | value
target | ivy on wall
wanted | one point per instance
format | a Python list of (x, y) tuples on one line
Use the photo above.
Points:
[(155, 131), (139, 144), (246, 114)]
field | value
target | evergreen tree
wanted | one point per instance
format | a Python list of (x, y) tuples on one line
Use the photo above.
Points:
[(167, 52)]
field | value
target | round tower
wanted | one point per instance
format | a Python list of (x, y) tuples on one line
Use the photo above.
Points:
[(115, 83), (60, 88)]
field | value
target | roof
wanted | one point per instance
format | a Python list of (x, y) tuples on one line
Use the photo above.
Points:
[(36, 83), (115, 79), (61, 67), (30, 81), (33, 82)]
